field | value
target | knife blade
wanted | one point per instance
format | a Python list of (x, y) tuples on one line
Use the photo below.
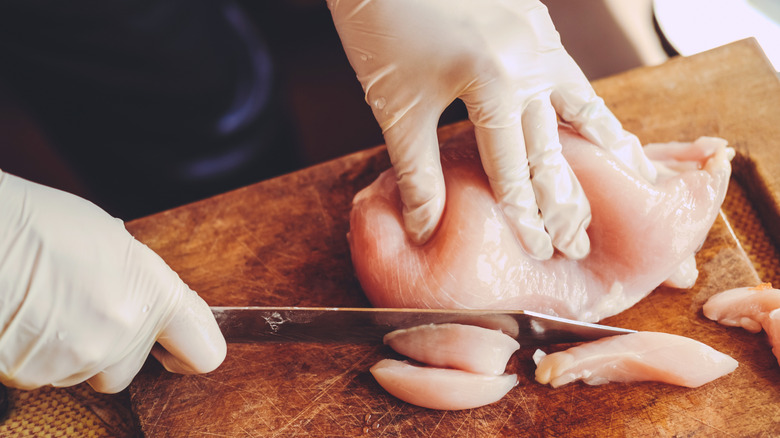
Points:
[(369, 325)]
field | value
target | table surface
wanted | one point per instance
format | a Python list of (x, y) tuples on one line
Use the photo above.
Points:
[(282, 242)]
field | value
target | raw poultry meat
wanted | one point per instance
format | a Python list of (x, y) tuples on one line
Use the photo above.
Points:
[(464, 347), (641, 234), (745, 307), (772, 327), (441, 388), (752, 308), (641, 356), (465, 366)]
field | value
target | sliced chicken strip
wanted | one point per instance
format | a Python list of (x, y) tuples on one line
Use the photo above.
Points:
[(642, 356), (439, 388), (464, 347)]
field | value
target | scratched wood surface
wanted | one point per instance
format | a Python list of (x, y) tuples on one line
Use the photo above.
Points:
[(282, 242)]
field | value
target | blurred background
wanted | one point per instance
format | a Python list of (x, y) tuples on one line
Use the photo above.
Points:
[(81, 110)]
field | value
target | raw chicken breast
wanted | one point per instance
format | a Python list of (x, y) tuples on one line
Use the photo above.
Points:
[(745, 307), (439, 388), (638, 356), (751, 308), (464, 347), (641, 234), (772, 327)]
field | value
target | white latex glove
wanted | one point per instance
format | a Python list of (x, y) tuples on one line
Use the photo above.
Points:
[(81, 299), (504, 59)]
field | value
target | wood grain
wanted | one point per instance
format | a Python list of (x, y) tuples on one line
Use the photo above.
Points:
[(283, 242)]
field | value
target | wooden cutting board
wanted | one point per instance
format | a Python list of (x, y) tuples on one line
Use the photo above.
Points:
[(282, 242)]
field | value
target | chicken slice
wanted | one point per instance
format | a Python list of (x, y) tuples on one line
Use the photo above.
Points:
[(752, 308), (464, 347), (772, 327), (745, 307), (641, 356), (440, 388)]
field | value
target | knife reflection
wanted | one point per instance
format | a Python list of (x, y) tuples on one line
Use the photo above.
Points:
[(369, 325)]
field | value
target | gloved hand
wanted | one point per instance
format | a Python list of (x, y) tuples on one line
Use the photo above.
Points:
[(81, 299), (504, 59)]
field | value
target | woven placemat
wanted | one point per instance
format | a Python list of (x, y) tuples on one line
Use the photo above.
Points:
[(79, 411), (750, 233)]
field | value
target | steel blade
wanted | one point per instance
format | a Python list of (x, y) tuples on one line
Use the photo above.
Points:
[(369, 325)]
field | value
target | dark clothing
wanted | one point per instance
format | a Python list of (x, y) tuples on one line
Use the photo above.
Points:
[(154, 102)]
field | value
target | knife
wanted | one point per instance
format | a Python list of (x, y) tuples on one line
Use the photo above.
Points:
[(369, 325)]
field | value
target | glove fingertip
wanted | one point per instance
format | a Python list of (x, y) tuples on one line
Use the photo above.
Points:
[(578, 248), (531, 235), (539, 248), (208, 363), (109, 384), (192, 340), (413, 147), (422, 221)]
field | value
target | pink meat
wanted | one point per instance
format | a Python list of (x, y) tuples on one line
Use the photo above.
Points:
[(746, 307), (464, 347), (752, 308), (641, 234), (440, 388), (638, 356), (772, 327)]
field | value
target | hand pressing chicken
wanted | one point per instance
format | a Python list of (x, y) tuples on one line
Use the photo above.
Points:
[(504, 59)]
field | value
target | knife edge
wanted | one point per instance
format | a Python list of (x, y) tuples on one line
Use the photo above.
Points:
[(252, 324)]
